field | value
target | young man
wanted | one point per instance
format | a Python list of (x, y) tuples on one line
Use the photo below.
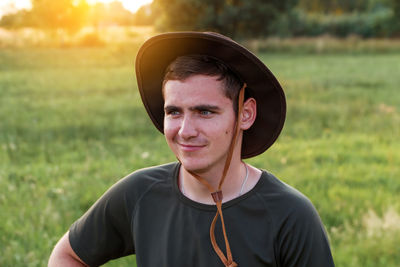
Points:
[(217, 104)]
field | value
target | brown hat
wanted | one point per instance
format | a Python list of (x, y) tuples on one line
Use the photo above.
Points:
[(159, 51)]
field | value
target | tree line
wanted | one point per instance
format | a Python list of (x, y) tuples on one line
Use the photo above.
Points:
[(236, 18)]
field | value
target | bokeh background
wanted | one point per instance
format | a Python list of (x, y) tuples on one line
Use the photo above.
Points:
[(72, 123)]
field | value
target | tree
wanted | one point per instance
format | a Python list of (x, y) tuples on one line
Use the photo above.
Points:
[(395, 5), (112, 13), (334, 6), (21, 18), (144, 16), (235, 18), (61, 14)]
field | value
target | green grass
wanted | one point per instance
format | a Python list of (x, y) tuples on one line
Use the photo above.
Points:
[(72, 124)]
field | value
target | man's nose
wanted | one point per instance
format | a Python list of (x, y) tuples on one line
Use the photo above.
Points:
[(187, 128)]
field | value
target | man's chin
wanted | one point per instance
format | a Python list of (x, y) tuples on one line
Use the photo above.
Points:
[(196, 168), (200, 166)]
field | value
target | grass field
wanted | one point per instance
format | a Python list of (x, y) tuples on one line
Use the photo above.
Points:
[(72, 124)]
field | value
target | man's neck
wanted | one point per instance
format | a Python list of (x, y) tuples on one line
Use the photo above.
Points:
[(231, 188)]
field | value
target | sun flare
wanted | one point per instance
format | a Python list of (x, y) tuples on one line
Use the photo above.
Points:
[(131, 5), (10, 6)]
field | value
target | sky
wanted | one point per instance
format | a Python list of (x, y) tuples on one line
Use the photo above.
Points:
[(9, 6)]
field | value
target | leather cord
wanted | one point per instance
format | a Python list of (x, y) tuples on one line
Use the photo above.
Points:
[(217, 194)]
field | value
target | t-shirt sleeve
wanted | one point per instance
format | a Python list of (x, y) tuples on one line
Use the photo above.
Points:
[(303, 241), (104, 232)]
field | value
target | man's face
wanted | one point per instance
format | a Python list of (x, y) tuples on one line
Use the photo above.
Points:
[(199, 122)]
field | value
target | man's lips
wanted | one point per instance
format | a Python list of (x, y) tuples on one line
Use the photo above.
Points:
[(190, 147)]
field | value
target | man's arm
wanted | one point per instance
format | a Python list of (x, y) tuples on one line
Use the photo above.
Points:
[(64, 255), (303, 239)]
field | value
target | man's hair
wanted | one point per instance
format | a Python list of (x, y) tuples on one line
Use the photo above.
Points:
[(187, 66)]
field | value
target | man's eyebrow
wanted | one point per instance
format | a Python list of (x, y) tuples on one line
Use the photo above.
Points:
[(214, 108), (171, 108), (205, 107)]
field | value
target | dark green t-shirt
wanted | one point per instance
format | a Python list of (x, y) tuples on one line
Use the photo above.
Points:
[(146, 214)]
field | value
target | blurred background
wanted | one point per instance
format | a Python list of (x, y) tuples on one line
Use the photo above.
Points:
[(72, 22), (72, 123)]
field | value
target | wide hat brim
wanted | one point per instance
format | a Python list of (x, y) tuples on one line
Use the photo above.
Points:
[(159, 51)]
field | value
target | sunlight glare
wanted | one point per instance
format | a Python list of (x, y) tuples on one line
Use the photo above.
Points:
[(10, 6), (131, 5)]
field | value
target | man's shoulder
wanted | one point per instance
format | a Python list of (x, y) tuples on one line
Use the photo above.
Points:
[(154, 172), (142, 180), (282, 197)]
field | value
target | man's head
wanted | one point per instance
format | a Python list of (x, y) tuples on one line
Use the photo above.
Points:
[(186, 66), (157, 53), (201, 107)]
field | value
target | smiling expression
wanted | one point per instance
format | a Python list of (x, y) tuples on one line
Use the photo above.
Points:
[(199, 122)]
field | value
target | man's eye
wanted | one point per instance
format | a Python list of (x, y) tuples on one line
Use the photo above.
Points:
[(174, 113), (205, 112)]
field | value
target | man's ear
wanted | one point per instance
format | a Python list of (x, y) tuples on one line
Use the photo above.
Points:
[(249, 113)]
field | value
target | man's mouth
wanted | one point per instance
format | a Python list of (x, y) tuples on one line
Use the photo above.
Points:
[(190, 147)]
